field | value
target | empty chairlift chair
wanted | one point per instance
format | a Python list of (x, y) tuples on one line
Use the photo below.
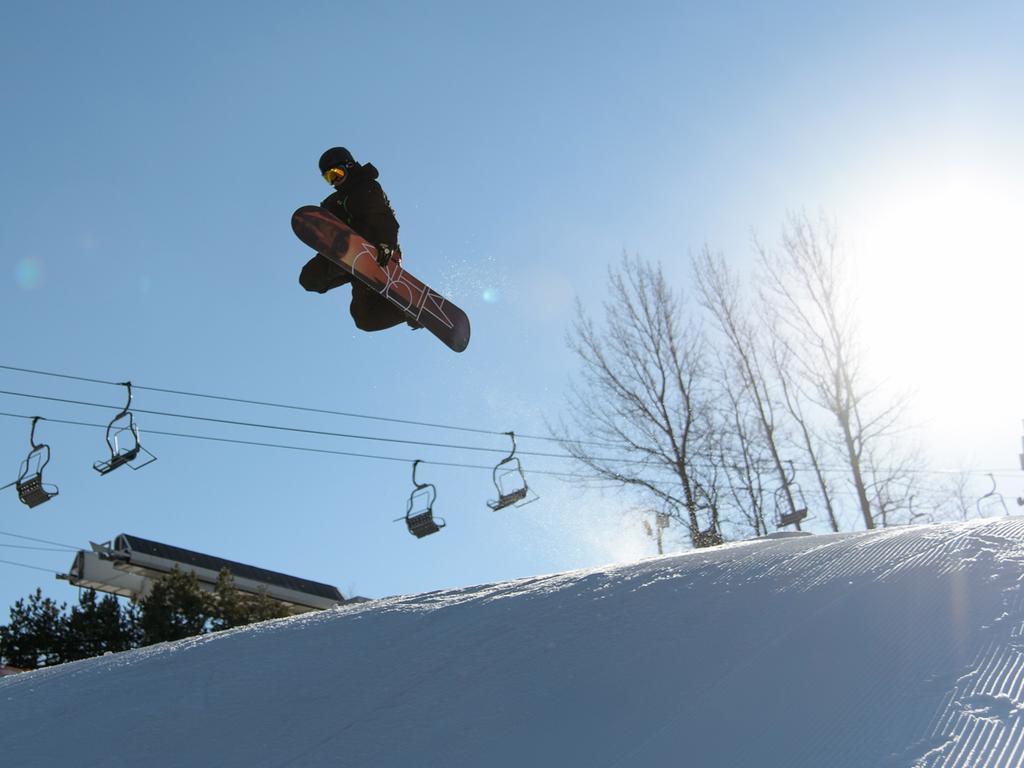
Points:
[(419, 512), (795, 504), (510, 481), (123, 424), (31, 489), (993, 500)]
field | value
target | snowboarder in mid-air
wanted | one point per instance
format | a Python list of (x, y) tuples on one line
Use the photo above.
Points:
[(354, 235), (360, 202)]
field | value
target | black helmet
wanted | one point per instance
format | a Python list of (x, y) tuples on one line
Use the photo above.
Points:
[(336, 157)]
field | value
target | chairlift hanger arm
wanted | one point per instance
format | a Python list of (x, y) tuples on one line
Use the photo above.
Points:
[(984, 496), (431, 492), (126, 411), (42, 449), (993, 493), (512, 435), (414, 482), (32, 434), (991, 477), (127, 405)]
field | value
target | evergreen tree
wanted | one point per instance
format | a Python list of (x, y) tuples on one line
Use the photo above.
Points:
[(175, 608), (263, 607), (232, 608), (41, 632), (34, 637), (97, 626), (228, 602)]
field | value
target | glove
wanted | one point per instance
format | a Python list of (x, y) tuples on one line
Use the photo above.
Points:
[(385, 253)]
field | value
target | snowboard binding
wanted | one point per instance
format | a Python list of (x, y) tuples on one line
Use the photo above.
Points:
[(31, 490), (510, 482), (120, 456), (419, 512)]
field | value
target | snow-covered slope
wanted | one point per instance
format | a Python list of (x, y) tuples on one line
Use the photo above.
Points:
[(894, 648)]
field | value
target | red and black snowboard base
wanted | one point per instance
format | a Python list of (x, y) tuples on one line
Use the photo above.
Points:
[(332, 238)]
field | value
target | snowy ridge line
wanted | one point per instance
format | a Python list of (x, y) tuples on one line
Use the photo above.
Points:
[(818, 554), (883, 554), (932, 552), (480, 593), (876, 555), (1004, 526)]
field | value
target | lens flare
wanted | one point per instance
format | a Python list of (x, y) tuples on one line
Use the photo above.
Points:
[(28, 274), (491, 295)]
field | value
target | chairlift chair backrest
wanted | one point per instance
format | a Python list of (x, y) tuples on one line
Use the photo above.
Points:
[(423, 525), (791, 518)]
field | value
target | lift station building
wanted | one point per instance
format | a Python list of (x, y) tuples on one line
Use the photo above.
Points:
[(130, 565)]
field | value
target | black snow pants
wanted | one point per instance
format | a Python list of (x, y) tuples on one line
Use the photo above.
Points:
[(370, 310)]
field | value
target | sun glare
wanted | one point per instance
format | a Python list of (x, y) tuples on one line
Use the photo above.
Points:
[(940, 268)]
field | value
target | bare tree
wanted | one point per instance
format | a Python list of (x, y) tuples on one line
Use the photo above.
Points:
[(955, 499), (811, 311), (644, 396), (893, 476), (745, 459), (714, 435), (719, 291), (805, 438)]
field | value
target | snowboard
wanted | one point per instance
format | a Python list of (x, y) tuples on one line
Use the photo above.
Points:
[(324, 232)]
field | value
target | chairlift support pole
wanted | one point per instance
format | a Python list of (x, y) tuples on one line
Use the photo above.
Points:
[(661, 522)]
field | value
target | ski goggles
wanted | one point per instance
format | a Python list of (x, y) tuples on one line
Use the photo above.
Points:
[(333, 175)]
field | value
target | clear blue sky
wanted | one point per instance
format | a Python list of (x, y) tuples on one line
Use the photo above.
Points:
[(152, 155)]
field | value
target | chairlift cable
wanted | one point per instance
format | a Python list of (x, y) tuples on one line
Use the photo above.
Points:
[(288, 406), (33, 549), (565, 475), (327, 451), (539, 454), (598, 481), (40, 541), (320, 432), (1012, 473), (33, 567)]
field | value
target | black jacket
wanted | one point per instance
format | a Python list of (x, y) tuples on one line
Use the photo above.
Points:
[(362, 204)]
